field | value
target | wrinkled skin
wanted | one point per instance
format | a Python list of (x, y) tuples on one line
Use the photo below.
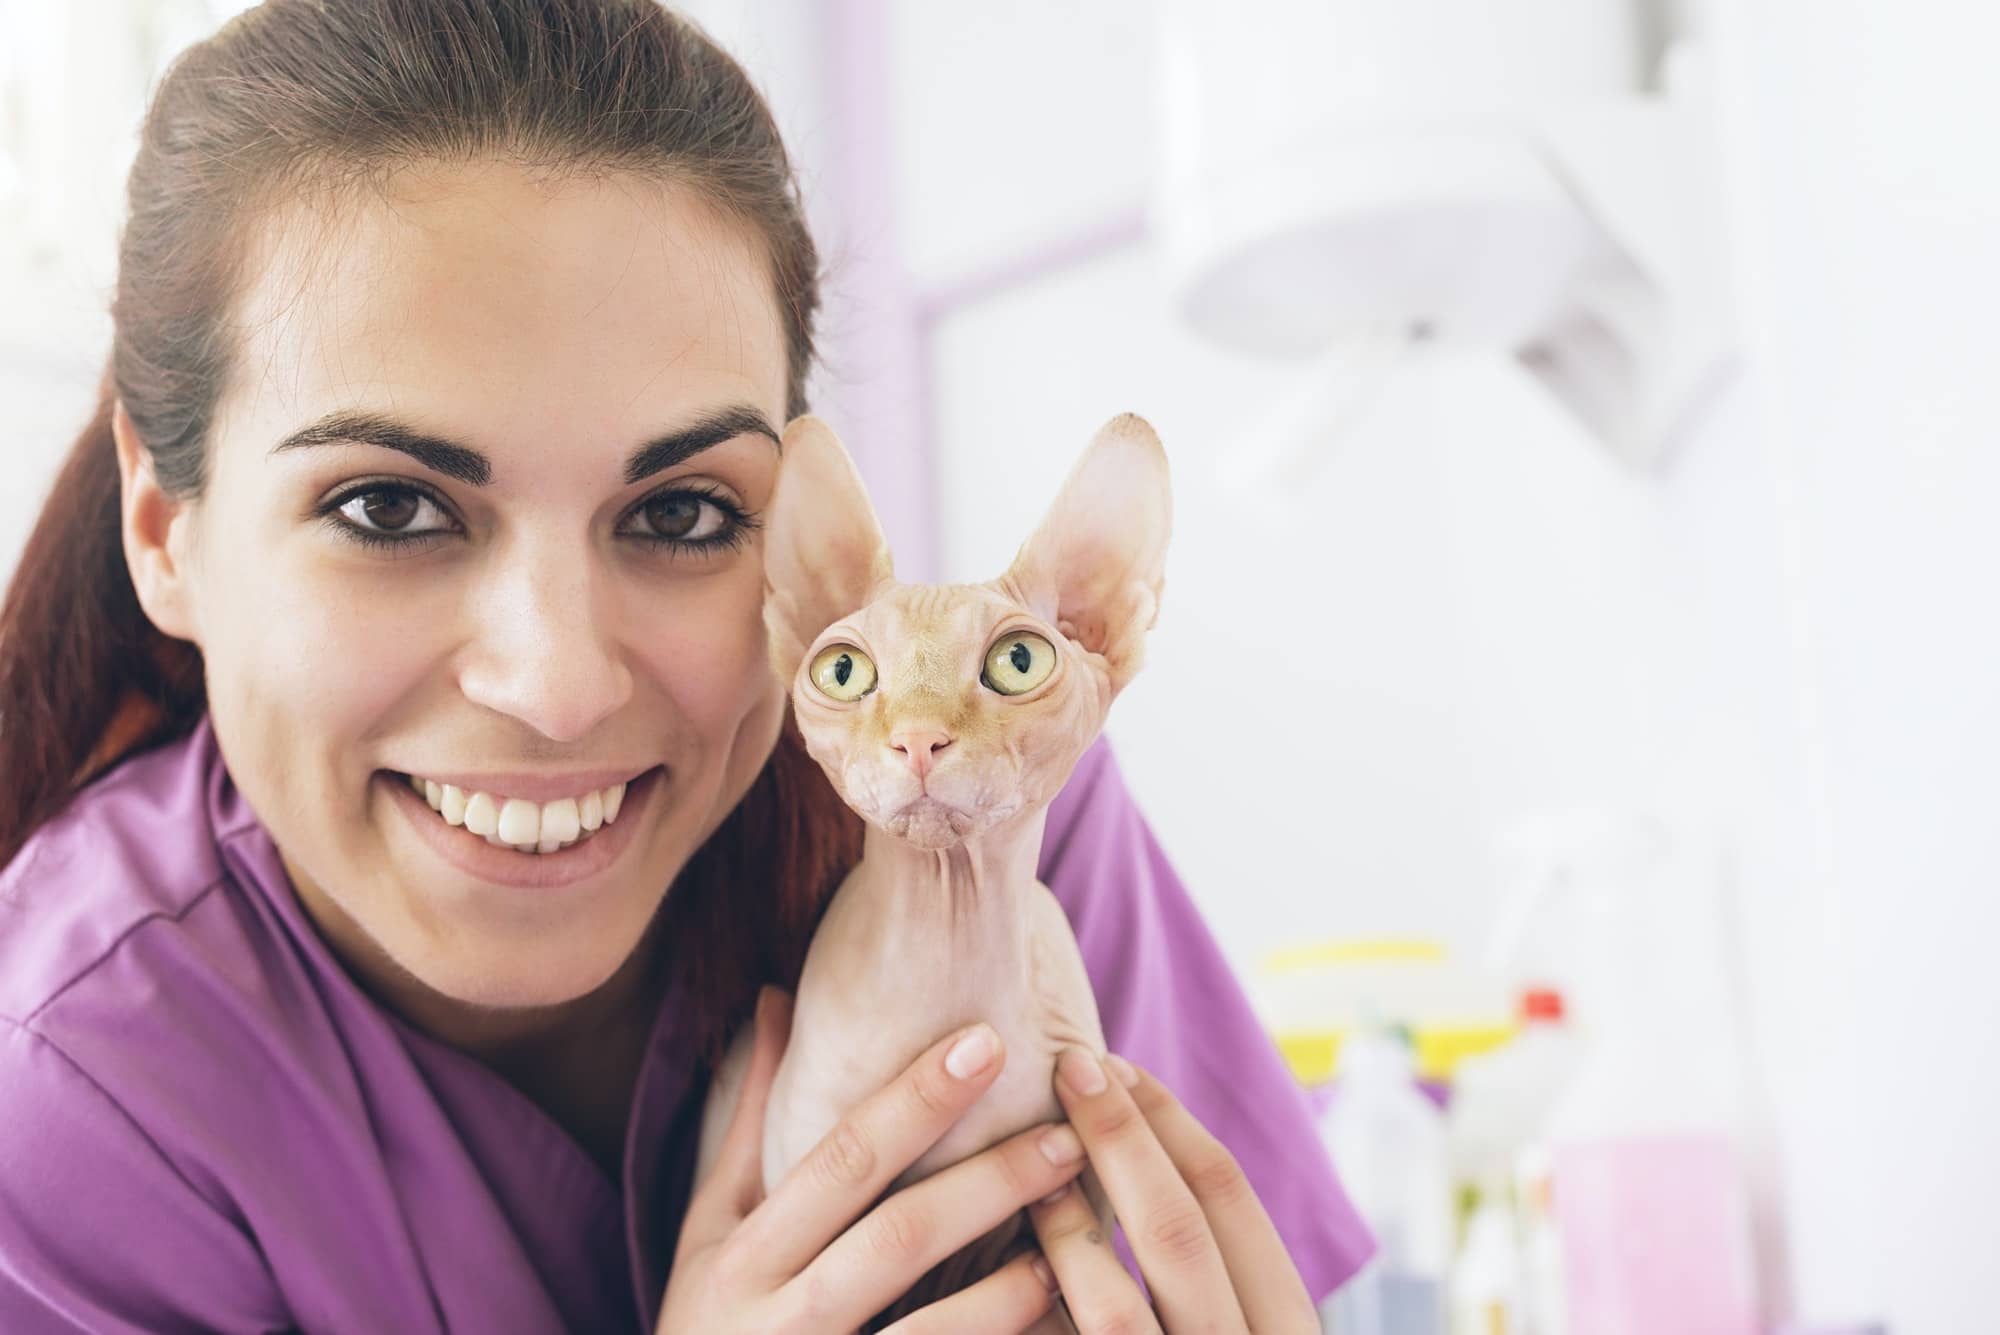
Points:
[(943, 923)]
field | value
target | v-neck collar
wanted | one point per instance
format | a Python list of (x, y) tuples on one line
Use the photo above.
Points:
[(654, 1161)]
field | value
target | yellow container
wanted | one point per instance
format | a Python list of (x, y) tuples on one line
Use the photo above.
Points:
[(1314, 1055), (1373, 965)]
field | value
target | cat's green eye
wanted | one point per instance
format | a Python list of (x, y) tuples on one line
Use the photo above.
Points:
[(842, 672), (1018, 663)]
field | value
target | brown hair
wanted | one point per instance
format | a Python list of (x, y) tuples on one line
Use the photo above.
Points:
[(301, 96)]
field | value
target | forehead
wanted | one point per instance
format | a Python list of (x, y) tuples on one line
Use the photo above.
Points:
[(913, 614), (523, 311)]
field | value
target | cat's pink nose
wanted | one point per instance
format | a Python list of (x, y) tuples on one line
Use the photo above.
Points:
[(920, 748)]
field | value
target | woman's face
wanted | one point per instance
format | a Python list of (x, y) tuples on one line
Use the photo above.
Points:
[(481, 510)]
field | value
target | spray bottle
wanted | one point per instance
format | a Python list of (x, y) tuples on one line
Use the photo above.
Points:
[(1387, 1140), (1508, 1279), (1647, 1197)]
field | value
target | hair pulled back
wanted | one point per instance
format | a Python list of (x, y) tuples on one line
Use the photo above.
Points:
[(314, 98)]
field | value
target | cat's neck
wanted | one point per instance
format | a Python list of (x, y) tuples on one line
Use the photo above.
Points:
[(915, 943), (972, 893)]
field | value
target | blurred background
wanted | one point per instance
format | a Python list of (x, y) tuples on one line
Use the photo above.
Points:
[(1570, 694)]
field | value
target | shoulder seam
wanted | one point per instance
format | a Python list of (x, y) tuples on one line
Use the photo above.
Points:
[(37, 1036), (156, 915)]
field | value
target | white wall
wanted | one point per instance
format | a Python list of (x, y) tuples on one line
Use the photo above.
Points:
[(1777, 645), (1870, 192)]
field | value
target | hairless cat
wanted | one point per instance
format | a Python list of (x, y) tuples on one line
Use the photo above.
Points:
[(947, 716)]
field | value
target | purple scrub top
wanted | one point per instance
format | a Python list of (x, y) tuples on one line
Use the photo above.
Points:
[(206, 1124)]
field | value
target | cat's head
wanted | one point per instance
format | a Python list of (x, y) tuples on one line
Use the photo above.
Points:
[(942, 710)]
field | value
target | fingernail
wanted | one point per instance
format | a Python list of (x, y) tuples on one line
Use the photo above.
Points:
[(973, 1053), (1060, 1146), (1055, 1195), (1122, 1069), (1044, 1274), (1080, 1071)]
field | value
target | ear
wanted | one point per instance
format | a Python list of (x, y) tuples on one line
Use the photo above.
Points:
[(155, 528), (1096, 565), (824, 553)]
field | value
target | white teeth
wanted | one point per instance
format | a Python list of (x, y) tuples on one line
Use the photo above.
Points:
[(481, 815), (520, 822), (514, 822), (561, 824)]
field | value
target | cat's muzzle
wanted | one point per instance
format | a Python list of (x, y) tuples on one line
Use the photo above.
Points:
[(930, 825)]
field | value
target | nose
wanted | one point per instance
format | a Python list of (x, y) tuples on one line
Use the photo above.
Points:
[(543, 649), (919, 746)]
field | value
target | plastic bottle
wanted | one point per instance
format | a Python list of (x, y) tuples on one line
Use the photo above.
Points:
[(1486, 1282), (1648, 1201), (1500, 1110), (1544, 1286), (1387, 1140), (1501, 1100)]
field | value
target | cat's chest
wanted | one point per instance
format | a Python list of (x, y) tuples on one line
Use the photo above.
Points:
[(865, 1009)]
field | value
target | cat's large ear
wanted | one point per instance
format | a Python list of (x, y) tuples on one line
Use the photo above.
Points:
[(1097, 563), (824, 553)]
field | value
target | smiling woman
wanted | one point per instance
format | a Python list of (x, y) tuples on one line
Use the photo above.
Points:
[(539, 429), (398, 808)]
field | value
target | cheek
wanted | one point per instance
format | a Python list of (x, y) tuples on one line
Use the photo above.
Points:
[(706, 649), (1048, 736), (330, 652)]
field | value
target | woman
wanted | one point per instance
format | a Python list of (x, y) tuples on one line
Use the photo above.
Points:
[(452, 338)]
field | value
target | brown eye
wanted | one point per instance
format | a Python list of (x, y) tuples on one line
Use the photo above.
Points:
[(673, 516), (685, 516), (389, 509)]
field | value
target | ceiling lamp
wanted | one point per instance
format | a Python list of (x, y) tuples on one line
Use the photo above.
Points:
[(1347, 180)]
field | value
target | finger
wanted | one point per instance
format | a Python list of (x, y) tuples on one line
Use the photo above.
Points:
[(1095, 1286), (1268, 1285), (899, 1241), (1164, 1224), (736, 1183), (877, 1139), (1006, 1302)]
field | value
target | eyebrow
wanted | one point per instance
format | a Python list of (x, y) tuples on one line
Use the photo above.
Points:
[(460, 461)]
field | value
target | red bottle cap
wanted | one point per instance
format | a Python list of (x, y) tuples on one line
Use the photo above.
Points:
[(1541, 1003)]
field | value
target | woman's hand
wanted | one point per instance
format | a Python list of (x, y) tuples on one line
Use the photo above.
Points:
[(1210, 1254), (798, 1261)]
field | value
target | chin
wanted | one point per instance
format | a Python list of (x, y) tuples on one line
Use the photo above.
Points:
[(538, 992), (930, 825), (522, 979)]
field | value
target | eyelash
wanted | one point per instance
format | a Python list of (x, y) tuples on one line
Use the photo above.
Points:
[(738, 523)]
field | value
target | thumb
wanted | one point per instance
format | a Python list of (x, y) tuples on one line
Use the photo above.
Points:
[(736, 1184)]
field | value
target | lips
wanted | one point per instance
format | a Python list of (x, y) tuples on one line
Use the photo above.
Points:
[(500, 865)]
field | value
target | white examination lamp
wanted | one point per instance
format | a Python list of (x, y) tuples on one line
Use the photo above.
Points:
[(1346, 180)]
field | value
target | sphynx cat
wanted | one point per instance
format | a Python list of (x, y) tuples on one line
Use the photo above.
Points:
[(947, 716)]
